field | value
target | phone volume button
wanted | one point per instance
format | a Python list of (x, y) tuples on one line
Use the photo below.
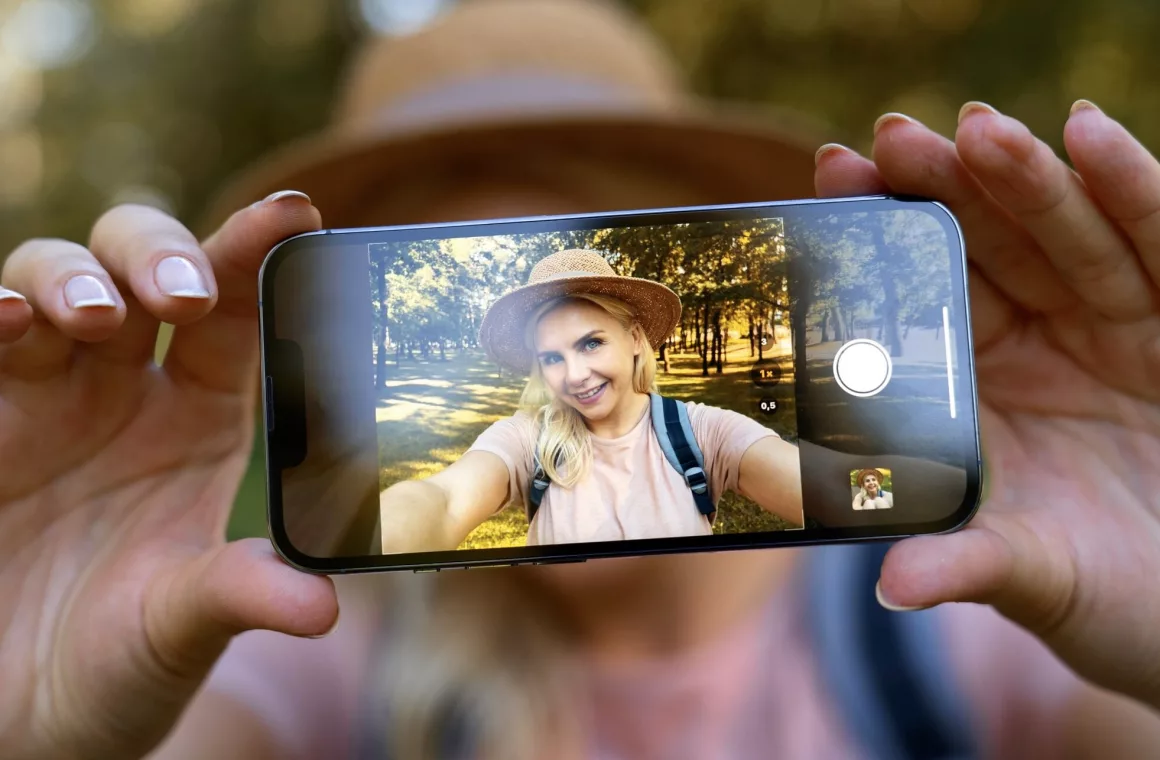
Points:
[(269, 404)]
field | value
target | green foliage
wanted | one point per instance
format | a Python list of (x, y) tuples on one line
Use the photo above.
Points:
[(891, 269)]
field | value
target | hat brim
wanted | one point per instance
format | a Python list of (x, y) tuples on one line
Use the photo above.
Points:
[(870, 471), (503, 330), (727, 155)]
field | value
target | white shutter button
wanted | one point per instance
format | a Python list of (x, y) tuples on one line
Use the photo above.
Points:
[(862, 367)]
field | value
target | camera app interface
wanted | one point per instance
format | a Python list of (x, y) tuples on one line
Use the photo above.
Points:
[(563, 372), (681, 380)]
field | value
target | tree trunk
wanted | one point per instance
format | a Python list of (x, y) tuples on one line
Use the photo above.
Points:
[(705, 341), (384, 316), (722, 339), (711, 339), (890, 332), (841, 331), (825, 336), (665, 355), (442, 350), (751, 346)]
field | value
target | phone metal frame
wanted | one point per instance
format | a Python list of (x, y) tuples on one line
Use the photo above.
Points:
[(581, 552)]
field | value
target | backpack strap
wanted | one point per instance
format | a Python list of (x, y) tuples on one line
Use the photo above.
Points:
[(886, 671), (670, 421), (539, 485), (674, 431)]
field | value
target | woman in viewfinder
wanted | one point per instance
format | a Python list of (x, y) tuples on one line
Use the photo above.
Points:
[(586, 337)]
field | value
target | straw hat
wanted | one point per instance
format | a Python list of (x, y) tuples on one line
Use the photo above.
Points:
[(503, 330), (549, 87), (871, 471)]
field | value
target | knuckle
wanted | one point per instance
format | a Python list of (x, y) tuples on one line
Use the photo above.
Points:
[(1095, 267), (139, 230), (129, 211), (36, 253)]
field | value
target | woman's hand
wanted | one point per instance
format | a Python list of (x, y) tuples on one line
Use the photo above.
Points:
[(1066, 312), (117, 589)]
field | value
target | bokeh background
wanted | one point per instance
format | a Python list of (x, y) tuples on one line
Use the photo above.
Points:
[(158, 101)]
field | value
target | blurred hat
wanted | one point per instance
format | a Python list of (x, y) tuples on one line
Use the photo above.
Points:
[(503, 330), (871, 471), (577, 87)]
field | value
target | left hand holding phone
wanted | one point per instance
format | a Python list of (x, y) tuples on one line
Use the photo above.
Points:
[(118, 590), (1065, 289)]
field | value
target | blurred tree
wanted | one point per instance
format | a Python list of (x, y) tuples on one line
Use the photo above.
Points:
[(168, 99), (160, 100)]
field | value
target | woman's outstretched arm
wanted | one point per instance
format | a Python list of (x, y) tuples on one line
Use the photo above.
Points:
[(437, 513), (770, 475)]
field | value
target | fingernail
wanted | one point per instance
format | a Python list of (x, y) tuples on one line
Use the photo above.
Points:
[(85, 291), (332, 629), (975, 106), (176, 276), (10, 295), (1083, 105), (283, 195), (889, 605), (888, 118), (827, 149)]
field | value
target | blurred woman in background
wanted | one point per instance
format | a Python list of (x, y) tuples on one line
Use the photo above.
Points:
[(129, 624)]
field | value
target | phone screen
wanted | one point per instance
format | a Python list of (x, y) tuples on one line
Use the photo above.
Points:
[(554, 389)]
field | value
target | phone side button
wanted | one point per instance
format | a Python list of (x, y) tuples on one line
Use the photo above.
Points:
[(269, 404), (560, 561)]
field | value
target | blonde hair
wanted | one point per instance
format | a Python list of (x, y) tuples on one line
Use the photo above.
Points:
[(563, 436), (482, 659)]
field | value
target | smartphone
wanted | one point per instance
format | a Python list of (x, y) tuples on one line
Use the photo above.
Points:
[(553, 389)]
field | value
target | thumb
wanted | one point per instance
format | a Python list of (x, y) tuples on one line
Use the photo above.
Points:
[(995, 560), (192, 613)]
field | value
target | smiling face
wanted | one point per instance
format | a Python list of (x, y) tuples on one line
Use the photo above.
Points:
[(586, 357), (870, 483)]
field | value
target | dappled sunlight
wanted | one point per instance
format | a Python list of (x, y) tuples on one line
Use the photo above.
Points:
[(429, 382), (395, 412), (507, 528)]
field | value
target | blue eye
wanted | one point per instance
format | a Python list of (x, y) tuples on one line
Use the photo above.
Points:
[(549, 360), (593, 344)]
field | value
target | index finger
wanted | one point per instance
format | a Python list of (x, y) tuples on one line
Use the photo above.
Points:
[(220, 351)]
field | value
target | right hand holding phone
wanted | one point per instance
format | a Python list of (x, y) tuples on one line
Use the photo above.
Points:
[(1065, 285), (117, 589)]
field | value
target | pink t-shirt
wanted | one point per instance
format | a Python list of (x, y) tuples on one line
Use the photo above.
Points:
[(632, 491), (754, 691)]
